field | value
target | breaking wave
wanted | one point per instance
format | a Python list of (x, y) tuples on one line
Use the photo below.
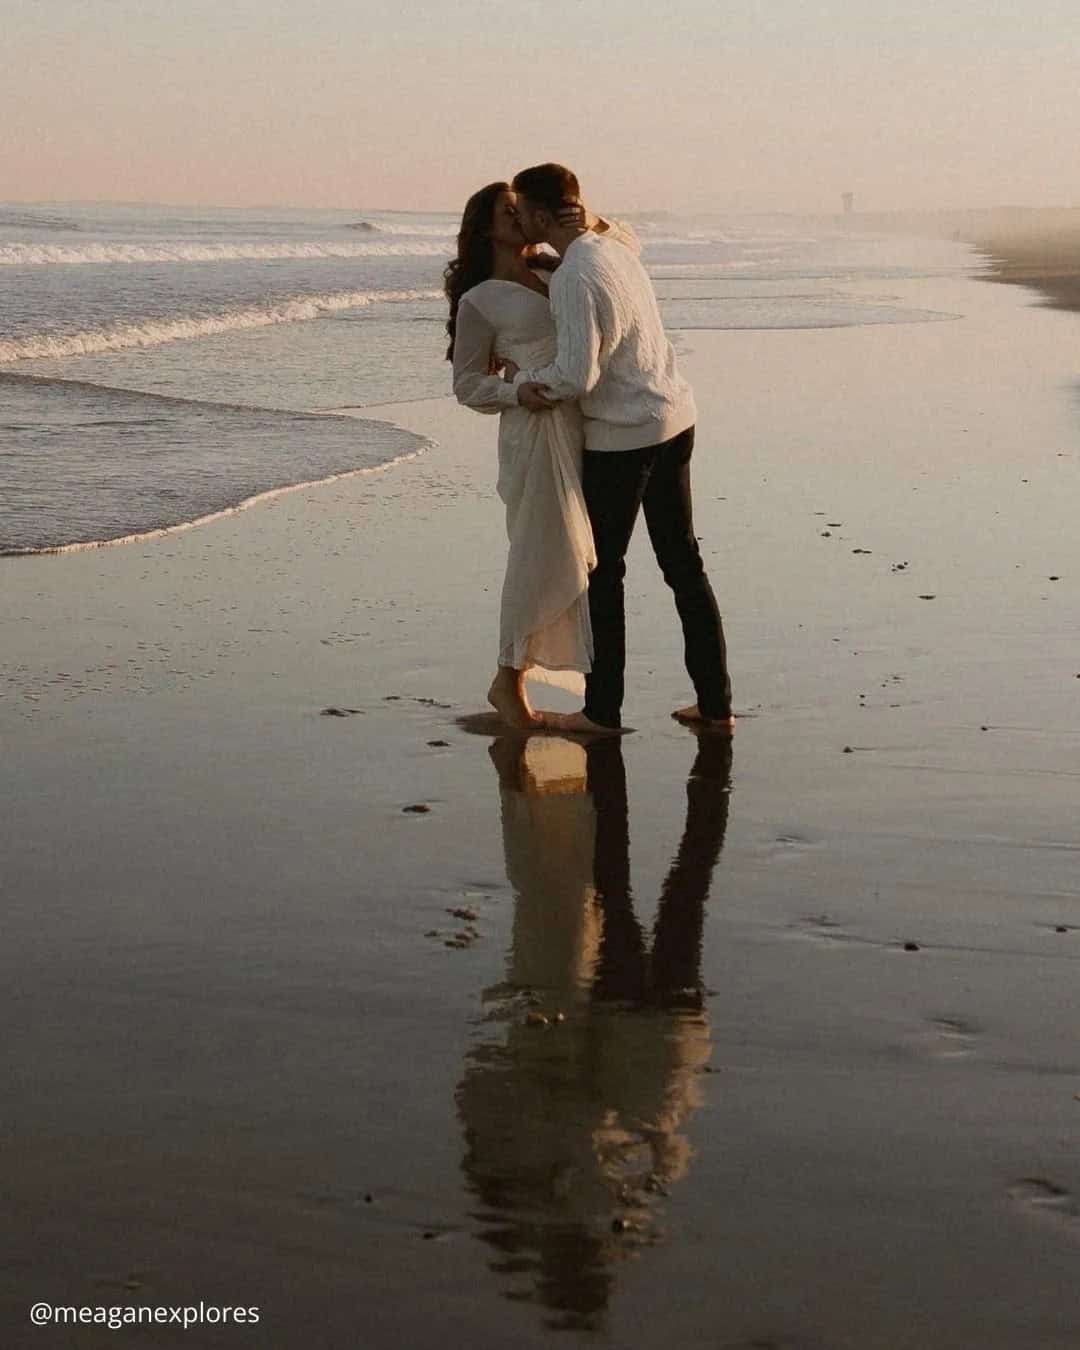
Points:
[(122, 337), (434, 229), (44, 255), (222, 513)]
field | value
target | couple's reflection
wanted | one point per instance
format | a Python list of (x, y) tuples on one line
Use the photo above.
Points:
[(573, 1130)]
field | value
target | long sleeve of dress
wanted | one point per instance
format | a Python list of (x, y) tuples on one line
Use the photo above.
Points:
[(474, 385)]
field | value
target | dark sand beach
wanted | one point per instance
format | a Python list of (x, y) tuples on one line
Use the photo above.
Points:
[(1052, 266), (1043, 254), (769, 1044)]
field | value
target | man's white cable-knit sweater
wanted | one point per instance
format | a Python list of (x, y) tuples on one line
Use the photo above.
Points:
[(613, 354)]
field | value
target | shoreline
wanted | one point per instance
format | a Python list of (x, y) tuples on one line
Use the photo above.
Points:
[(165, 531), (1038, 247), (1048, 265), (404, 445)]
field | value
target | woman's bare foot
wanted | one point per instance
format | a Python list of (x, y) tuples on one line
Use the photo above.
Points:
[(693, 717), (579, 725), (507, 697)]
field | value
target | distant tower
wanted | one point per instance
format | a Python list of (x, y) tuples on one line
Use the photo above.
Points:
[(848, 198)]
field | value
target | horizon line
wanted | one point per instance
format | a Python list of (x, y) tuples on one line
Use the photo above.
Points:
[(804, 212)]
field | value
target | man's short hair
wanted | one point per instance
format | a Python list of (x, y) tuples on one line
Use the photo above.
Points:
[(551, 186)]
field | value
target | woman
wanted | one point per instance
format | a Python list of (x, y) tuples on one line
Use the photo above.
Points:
[(500, 319)]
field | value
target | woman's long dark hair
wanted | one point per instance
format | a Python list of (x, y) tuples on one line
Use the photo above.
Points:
[(475, 259)]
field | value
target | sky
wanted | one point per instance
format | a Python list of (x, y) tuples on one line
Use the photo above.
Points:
[(725, 105)]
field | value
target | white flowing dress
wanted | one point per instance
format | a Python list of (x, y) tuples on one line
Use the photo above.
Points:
[(544, 624)]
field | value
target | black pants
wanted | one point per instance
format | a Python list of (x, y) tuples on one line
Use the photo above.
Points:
[(617, 483)]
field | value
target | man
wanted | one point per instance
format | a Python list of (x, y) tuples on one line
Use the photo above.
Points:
[(614, 356)]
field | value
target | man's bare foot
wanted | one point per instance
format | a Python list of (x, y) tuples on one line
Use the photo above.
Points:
[(577, 724), (509, 702), (693, 717)]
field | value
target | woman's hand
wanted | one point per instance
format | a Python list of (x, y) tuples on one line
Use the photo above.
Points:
[(506, 368), (539, 260)]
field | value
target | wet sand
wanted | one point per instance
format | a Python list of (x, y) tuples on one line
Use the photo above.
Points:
[(815, 1080), (1037, 247), (1041, 261), (1043, 254)]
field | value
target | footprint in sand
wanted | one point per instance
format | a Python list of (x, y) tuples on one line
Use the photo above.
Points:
[(948, 1038), (825, 929), (816, 922), (391, 1211), (789, 845), (1047, 1201)]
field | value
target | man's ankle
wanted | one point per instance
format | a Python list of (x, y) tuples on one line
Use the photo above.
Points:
[(612, 723)]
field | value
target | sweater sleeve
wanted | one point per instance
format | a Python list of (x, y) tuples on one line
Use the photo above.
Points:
[(576, 368), (474, 347)]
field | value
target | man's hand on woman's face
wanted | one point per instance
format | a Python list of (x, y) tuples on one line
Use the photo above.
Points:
[(575, 216), (532, 396)]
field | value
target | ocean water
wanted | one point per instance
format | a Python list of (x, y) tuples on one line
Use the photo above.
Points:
[(159, 365)]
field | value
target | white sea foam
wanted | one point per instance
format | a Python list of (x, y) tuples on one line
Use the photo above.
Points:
[(436, 230), (44, 255), (153, 333), (181, 527)]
